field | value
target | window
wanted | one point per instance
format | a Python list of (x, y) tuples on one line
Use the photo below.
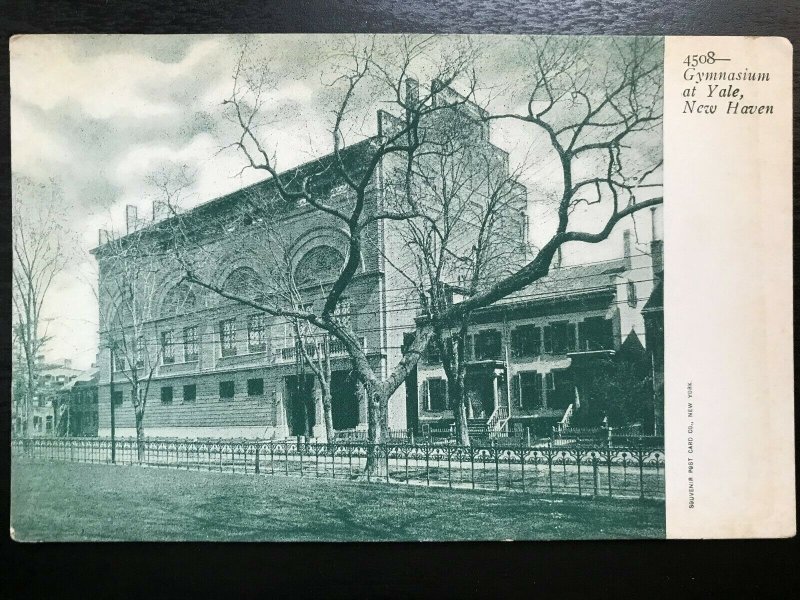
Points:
[(257, 333), (530, 389), (190, 344), (116, 398), (432, 354), (488, 345), (226, 390), (48, 424), (138, 350), (255, 387), (342, 313), (167, 348), (37, 423), (595, 333), (632, 300), (119, 361), (227, 337), (190, 393), (526, 341), (166, 395), (437, 394), (560, 337), (547, 339), (549, 382)]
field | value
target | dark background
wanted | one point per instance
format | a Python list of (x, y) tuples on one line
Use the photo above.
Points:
[(599, 569)]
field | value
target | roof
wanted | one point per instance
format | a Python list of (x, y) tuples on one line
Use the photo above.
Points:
[(85, 377), (568, 281), (656, 300), (353, 154)]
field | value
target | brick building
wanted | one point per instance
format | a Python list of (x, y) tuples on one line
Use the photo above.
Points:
[(222, 369)]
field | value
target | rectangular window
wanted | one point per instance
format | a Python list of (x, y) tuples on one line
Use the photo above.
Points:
[(549, 381), (530, 389), (166, 395), (190, 393), (437, 391), (526, 340), (488, 345), (190, 352), (226, 390), (432, 354), (595, 333), (227, 337), (342, 313), (119, 361), (257, 333), (167, 348), (116, 398), (48, 424), (560, 335), (632, 300), (255, 387), (139, 352)]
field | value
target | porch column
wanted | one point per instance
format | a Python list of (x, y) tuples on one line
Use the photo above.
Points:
[(319, 416), (495, 391), (362, 406), (281, 422)]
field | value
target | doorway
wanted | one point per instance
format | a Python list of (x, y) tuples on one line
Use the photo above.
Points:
[(300, 405), (344, 400)]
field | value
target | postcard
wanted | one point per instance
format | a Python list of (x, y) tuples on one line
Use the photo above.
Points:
[(401, 287)]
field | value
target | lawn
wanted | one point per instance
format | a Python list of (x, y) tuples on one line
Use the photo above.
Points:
[(80, 502)]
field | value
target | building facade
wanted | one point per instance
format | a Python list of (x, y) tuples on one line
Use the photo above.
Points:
[(214, 367), (43, 414), (529, 355)]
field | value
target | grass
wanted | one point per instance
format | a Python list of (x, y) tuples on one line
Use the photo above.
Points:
[(80, 502)]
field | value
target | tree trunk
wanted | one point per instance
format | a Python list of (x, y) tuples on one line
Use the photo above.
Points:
[(139, 412), (326, 411), (455, 391), (375, 427)]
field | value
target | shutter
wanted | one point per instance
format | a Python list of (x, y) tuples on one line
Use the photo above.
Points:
[(516, 390), (446, 394), (423, 392), (572, 337)]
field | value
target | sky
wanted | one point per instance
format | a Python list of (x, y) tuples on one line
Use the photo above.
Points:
[(99, 116)]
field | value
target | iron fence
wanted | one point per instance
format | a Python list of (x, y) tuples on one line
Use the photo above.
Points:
[(582, 470)]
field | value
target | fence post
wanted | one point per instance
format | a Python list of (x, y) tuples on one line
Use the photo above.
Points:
[(449, 468), (594, 470), (386, 451), (258, 452), (522, 453), (496, 467)]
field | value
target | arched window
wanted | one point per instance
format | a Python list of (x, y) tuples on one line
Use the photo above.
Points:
[(246, 283), (319, 264), (180, 300)]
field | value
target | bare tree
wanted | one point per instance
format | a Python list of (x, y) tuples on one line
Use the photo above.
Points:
[(471, 233), (588, 118), (126, 320), (39, 254)]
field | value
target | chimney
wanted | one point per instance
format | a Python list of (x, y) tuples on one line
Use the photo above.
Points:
[(626, 248), (412, 92), (130, 218), (656, 246), (67, 363)]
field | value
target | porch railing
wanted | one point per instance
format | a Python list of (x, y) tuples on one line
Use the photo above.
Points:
[(498, 420)]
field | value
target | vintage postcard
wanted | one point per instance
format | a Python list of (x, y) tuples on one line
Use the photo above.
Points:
[(401, 287)]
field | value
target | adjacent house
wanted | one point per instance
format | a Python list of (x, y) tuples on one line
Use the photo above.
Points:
[(42, 414), (529, 355)]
